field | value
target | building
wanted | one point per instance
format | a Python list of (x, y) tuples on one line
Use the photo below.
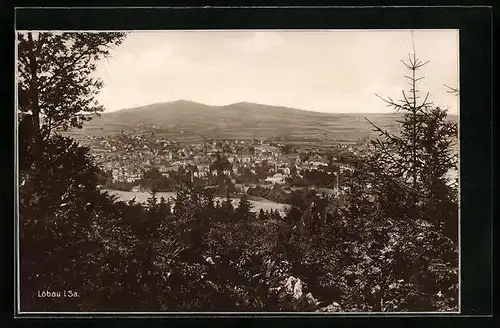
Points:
[(344, 168), (246, 159), (200, 174), (278, 178), (132, 179), (318, 163)]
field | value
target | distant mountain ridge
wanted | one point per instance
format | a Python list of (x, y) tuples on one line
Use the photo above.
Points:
[(192, 105), (241, 120)]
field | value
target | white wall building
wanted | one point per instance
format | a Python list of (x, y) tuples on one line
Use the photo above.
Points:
[(278, 178)]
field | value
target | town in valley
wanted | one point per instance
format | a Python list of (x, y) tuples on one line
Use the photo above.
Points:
[(130, 159)]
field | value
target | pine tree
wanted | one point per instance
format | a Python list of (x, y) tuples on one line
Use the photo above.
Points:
[(209, 200), (227, 208), (296, 209), (243, 209), (262, 215), (276, 214), (152, 199), (164, 206), (411, 167), (181, 203)]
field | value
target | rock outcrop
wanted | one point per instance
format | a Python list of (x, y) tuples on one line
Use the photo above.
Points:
[(334, 307)]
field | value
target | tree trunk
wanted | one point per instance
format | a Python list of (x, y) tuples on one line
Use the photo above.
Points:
[(34, 101)]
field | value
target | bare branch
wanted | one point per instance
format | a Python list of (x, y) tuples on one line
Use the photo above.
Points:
[(385, 133), (405, 98), (391, 103), (424, 103), (423, 64), (452, 90)]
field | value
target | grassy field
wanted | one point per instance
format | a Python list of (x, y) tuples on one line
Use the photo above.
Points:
[(258, 203), (240, 121)]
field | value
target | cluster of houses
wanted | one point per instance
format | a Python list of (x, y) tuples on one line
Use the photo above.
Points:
[(127, 155)]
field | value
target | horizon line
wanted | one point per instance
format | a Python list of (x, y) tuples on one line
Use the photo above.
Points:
[(252, 103)]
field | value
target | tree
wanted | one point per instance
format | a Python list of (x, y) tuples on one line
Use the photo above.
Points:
[(419, 158), (243, 209), (58, 203), (56, 88), (227, 208), (329, 159), (181, 203), (105, 178), (220, 164), (151, 174), (304, 157), (363, 140), (296, 209), (287, 149), (391, 248), (209, 200), (262, 215)]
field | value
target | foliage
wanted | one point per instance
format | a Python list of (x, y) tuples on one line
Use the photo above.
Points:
[(58, 199), (317, 178), (288, 149), (220, 164), (386, 244), (55, 82), (243, 210), (420, 157)]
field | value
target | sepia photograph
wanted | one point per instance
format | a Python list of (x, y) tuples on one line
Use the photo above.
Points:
[(238, 171)]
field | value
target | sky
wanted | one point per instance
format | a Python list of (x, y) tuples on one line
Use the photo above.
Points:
[(330, 71)]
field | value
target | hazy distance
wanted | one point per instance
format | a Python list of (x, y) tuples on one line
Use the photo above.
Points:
[(329, 71)]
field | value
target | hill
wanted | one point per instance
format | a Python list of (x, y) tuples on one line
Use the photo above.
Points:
[(183, 119)]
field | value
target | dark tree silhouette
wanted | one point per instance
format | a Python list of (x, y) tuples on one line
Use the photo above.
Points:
[(262, 215), (55, 82), (227, 208), (421, 155), (243, 211), (58, 203)]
